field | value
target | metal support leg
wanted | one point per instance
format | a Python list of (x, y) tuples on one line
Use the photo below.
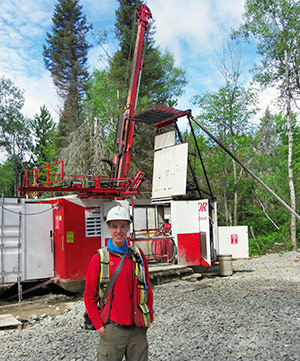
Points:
[(19, 259)]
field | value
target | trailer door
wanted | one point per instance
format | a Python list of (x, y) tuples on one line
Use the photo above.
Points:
[(190, 228), (37, 243)]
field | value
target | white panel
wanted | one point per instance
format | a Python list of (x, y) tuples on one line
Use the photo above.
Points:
[(234, 241), (151, 217), (140, 218), (38, 255), (203, 216), (164, 140), (184, 217), (170, 171)]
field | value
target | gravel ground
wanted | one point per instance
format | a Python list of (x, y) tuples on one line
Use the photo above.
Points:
[(252, 315)]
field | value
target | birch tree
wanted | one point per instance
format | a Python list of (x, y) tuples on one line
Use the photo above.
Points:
[(275, 26)]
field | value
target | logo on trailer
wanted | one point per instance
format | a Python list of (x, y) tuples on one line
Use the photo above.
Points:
[(202, 206), (202, 209)]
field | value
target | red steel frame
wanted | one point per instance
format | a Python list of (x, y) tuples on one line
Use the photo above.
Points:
[(126, 187)]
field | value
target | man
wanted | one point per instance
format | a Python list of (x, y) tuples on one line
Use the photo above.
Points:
[(127, 312)]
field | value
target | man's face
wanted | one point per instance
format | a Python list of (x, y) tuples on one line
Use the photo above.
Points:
[(118, 230)]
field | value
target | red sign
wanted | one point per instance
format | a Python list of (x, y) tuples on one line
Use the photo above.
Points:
[(234, 238)]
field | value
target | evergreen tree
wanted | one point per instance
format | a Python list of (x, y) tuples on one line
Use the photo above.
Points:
[(65, 56), (267, 139), (44, 132)]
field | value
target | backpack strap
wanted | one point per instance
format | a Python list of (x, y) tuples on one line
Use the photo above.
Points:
[(140, 268), (104, 265)]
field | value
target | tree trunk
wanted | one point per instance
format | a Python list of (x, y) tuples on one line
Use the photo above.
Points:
[(290, 154), (226, 188), (235, 204)]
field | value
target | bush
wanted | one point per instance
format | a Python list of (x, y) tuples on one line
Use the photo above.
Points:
[(274, 242)]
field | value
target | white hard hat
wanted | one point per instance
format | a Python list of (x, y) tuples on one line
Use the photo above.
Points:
[(118, 213)]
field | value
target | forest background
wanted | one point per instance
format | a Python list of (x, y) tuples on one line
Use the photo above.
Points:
[(92, 103)]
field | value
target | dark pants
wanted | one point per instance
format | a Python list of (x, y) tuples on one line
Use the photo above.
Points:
[(118, 341)]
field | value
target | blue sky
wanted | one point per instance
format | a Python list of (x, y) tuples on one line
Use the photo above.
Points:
[(193, 30)]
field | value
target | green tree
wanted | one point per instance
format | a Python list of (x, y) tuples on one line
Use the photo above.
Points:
[(271, 166), (43, 129), (65, 56), (275, 26), (7, 179), (15, 139)]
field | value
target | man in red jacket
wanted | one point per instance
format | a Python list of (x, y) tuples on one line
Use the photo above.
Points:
[(127, 312)]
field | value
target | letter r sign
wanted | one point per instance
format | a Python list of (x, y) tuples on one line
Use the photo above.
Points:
[(202, 206)]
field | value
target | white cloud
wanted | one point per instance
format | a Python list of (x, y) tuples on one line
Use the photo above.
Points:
[(194, 26), (268, 98), (37, 92)]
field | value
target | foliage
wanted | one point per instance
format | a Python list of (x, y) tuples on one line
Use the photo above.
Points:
[(275, 26), (227, 113), (15, 137), (273, 242), (7, 179)]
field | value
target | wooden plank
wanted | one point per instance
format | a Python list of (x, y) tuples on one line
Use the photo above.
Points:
[(167, 271), (7, 320), (166, 267)]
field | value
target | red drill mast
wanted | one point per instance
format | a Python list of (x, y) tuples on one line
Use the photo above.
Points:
[(122, 159)]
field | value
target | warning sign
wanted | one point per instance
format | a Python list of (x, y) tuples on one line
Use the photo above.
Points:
[(70, 237), (234, 239)]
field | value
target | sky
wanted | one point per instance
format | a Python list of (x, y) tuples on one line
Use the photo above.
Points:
[(193, 30)]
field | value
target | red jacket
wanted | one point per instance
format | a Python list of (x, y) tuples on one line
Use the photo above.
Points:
[(122, 303)]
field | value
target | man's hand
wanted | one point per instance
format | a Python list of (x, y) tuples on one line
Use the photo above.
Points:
[(101, 331)]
